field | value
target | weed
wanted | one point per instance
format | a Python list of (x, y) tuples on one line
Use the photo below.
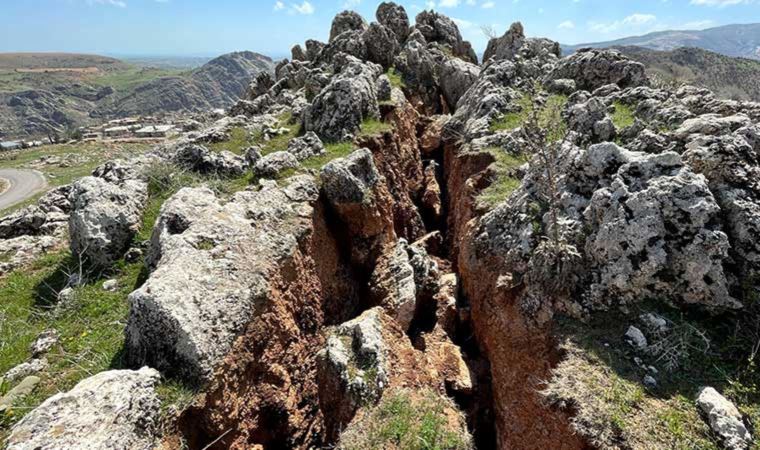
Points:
[(372, 127), (504, 182), (395, 78), (623, 116)]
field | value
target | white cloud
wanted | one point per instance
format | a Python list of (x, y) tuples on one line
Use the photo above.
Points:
[(278, 5), (566, 25), (448, 3), (635, 21), (488, 5), (351, 3), (118, 3), (304, 8), (639, 19), (719, 3)]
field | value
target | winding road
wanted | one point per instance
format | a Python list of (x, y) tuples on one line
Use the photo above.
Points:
[(23, 184)]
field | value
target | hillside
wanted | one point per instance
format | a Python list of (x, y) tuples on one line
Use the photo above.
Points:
[(50, 93), (387, 245), (730, 40), (728, 77), (217, 84)]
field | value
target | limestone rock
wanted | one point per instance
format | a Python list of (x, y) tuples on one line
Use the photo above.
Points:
[(507, 46), (200, 159), (118, 409), (44, 342), (439, 28), (725, 420), (104, 218), (212, 264), (592, 69), (25, 369), (274, 163), (394, 17), (346, 21), (636, 338), (306, 146), (382, 45), (21, 390), (384, 88), (456, 77), (349, 98)]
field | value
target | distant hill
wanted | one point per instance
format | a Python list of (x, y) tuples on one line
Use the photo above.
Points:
[(730, 40), (50, 93), (735, 78), (37, 61), (217, 84)]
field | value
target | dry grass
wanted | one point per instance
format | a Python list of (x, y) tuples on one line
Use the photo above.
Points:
[(599, 380)]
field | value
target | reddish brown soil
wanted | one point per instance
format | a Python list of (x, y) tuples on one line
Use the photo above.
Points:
[(265, 392)]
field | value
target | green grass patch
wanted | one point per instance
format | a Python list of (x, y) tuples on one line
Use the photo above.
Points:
[(411, 421), (623, 116), (372, 127), (504, 182), (550, 113), (396, 80), (130, 78), (91, 326), (238, 142)]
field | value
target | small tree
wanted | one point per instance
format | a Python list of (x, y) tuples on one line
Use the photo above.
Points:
[(545, 134)]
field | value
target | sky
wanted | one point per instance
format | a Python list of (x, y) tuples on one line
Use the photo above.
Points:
[(272, 27)]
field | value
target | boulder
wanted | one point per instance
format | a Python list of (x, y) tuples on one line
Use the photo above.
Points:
[(297, 53), (200, 159), (382, 45), (117, 409), (353, 368), (212, 263), (313, 49), (104, 218), (592, 69), (349, 98), (384, 88), (394, 17), (271, 165), (507, 46), (438, 28), (306, 146), (724, 419), (456, 77), (346, 21)]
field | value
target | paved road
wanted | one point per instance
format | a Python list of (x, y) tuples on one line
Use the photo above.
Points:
[(23, 184)]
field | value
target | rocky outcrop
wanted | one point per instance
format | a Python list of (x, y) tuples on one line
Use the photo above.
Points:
[(349, 98), (306, 146), (200, 159), (117, 409), (346, 21), (436, 27), (271, 165), (104, 218), (394, 17), (592, 69), (185, 317)]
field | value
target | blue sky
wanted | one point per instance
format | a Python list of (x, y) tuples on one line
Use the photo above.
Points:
[(211, 27)]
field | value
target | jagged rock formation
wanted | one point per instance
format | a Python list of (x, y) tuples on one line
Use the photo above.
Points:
[(299, 304)]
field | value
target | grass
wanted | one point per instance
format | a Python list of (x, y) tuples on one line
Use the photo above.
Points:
[(85, 158), (504, 182), (373, 127), (280, 142), (332, 151), (130, 78), (600, 379), (548, 114), (238, 142), (409, 420), (623, 116), (91, 328), (395, 78)]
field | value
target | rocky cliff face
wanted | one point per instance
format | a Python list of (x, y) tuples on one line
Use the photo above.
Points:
[(399, 271)]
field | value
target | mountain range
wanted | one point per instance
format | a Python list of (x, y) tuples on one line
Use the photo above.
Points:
[(49, 93), (741, 40)]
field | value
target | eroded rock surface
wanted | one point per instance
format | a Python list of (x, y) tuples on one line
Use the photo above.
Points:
[(116, 409)]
